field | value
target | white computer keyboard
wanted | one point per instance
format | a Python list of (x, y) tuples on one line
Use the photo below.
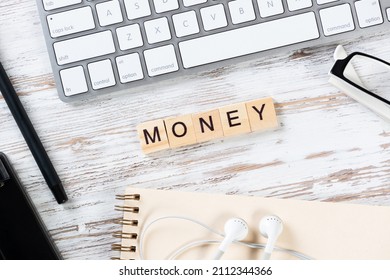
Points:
[(97, 47)]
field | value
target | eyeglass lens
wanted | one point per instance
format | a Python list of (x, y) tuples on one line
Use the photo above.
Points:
[(374, 75)]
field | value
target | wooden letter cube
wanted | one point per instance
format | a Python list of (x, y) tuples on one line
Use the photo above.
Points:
[(153, 136), (207, 126), (234, 119), (180, 131), (261, 114)]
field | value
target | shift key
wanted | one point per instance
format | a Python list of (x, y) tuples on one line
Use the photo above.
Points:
[(84, 47), (70, 22), (55, 4)]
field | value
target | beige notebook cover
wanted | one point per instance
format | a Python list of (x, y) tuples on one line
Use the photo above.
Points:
[(321, 230)]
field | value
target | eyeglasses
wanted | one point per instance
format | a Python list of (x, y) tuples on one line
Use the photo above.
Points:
[(365, 78)]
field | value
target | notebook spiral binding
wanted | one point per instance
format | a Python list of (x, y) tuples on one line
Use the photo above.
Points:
[(126, 237)]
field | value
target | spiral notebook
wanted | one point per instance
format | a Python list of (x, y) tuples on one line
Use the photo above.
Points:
[(321, 230)]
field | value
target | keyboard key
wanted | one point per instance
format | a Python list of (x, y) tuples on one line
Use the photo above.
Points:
[(157, 30), (270, 7), (129, 37), (161, 60), (137, 8), (129, 68), (337, 19), (55, 4), (70, 22), (73, 81), (241, 11), (101, 74), (109, 13), (388, 14), (84, 47), (213, 17), (185, 24), (189, 3), (242, 41), (320, 2), (294, 5), (165, 5), (368, 13)]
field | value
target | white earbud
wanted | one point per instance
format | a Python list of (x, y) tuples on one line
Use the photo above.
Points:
[(236, 229), (270, 227)]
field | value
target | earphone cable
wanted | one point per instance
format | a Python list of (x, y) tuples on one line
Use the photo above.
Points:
[(193, 244), (142, 235)]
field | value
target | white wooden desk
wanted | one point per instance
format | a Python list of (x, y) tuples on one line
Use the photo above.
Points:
[(328, 148)]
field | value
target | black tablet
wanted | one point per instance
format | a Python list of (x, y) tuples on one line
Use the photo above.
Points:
[(23, 235)]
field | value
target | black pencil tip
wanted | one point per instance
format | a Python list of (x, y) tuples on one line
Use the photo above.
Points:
[(59, 193)]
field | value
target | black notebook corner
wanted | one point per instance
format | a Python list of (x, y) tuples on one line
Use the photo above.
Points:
[(23, 235)]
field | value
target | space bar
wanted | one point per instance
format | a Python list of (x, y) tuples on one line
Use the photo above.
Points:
[(248, 40)]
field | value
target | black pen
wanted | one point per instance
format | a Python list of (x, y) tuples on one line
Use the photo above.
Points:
[(31, 137)]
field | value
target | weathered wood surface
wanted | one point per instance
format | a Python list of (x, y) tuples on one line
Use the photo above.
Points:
[(329, 148)]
